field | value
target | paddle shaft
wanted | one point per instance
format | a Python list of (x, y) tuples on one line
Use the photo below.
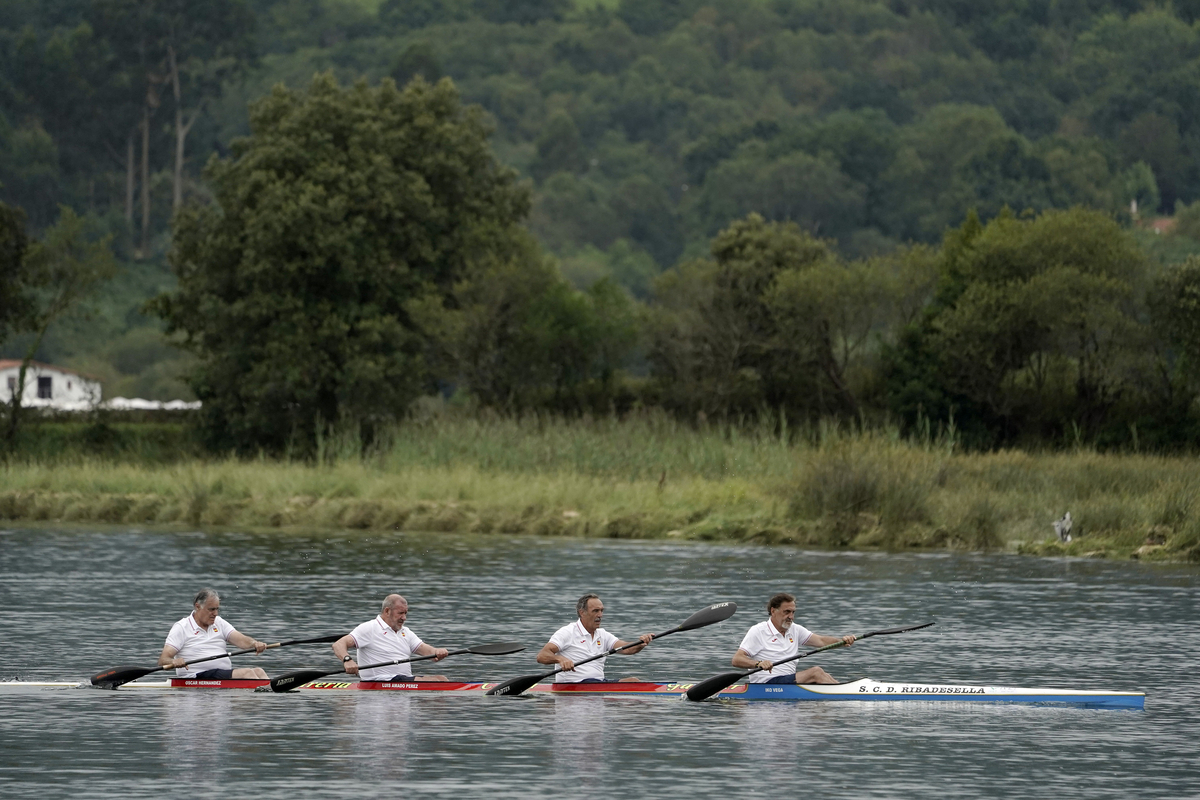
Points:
[(405, 660), (840, 644), (608, 653), (126, 674), (332, 638), (707, 688), (301, 677), (702, 618)]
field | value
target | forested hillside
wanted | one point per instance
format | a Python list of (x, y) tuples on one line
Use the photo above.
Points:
[(645, 128)]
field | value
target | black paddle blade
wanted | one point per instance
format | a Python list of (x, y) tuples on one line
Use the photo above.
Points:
[(496, 649), (112, 678), (294, 680), (710, 686), (515, 686), (896, 630), (714, 613)]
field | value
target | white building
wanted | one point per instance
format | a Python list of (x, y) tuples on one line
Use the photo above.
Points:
[(48, 387)]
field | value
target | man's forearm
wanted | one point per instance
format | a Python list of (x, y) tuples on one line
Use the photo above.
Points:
[(743, 661), (817, 640), (243, 641)]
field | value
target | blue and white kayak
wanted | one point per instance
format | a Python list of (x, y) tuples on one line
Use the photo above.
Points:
[(867, 690)]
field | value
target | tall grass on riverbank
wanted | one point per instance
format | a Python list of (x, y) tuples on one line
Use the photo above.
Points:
[(648, 477)]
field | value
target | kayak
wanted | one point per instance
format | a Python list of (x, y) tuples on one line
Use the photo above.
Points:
[(863, 690)]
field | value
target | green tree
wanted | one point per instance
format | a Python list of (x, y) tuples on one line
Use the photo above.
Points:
[(812, 192), (419, 58), (730, 336), (56, 275), (1035, 326), (516, 336), (15, 303), (1175, 312), (559, 148), (341, 211)]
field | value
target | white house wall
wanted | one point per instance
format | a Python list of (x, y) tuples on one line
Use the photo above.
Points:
[(67, 389)]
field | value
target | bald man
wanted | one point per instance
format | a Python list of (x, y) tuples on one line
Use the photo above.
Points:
[(386, 638)]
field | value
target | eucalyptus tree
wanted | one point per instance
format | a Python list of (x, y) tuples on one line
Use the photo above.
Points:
[(190, 48)]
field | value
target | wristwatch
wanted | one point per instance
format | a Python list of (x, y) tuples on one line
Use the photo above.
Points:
[(347, 658)]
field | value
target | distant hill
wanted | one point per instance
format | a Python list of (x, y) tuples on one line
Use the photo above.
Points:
[(645, 126)]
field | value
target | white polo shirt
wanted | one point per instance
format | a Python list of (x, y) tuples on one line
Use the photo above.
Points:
[(191, 642), (576, 643), (764, 643), (376, 642)]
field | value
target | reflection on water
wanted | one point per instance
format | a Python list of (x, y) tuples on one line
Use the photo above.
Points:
[(767, 733), (580, 738), (1000, 620), (195, 729)]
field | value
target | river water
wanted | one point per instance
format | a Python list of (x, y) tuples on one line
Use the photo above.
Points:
[(75, 601)]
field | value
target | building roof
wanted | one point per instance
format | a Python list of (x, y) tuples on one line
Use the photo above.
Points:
[(15, 363)]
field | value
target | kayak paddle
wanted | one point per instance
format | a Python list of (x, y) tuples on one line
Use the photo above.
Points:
[(710, 686), (290, 680), (112, 678), (708, 616)]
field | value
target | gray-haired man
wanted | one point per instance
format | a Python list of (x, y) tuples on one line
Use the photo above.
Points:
[(582, 639), (204, 633)]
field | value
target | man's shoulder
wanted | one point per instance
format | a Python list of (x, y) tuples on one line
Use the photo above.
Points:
[(759, 627), (367, 627), (179, 628), (564, 631)]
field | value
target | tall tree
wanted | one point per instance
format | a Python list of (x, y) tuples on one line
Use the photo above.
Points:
[(342, 210), (207, 42), (727, 338), (136, 30)]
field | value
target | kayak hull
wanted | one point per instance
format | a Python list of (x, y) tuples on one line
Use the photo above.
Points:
[(863, 690)]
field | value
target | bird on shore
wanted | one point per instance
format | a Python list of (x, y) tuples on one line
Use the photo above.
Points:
[(1063, 527)]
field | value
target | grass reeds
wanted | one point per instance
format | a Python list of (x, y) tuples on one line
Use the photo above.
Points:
[(647, 476)]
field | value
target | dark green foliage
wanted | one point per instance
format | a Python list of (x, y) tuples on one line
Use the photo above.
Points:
[(721, 340), (418, 59), (522, 12), (136, 441), (1035, 329), (15, 303), (648, 128), (342, 210)]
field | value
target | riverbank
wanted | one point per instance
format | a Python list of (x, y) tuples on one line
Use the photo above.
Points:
[(648, 478)]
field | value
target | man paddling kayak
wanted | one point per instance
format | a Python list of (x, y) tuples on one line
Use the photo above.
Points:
[(777, 638), (387, 638), (205, 633), (583, 638)]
